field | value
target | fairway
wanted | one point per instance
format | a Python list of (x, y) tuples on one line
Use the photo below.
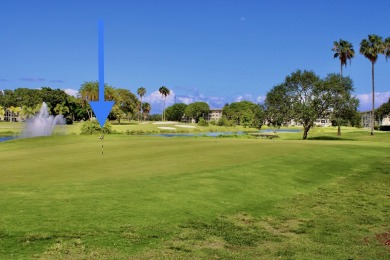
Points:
[(155, 197)]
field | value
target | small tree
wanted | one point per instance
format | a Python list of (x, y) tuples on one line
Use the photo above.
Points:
[(197, 110), (343, 105), (175, 112), (146, 109)]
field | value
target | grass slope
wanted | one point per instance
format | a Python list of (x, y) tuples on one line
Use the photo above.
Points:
[(152, 197)]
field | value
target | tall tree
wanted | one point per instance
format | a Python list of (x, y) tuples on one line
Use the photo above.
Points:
[(343, 106), (344, 51), (305, 91), (141, 92), (164, 91), (371, 48), (278, 112)]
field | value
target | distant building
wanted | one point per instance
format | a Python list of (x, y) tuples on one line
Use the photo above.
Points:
[(323, 122), (366, 119), (385, 120), (215, 114), (11, 116)]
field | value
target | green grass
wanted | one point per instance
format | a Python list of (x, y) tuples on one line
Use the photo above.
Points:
[(154, 197)]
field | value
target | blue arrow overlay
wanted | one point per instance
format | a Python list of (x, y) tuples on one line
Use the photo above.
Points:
[(101, 108)]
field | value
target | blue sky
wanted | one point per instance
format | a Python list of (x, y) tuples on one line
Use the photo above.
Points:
[(214, 51)]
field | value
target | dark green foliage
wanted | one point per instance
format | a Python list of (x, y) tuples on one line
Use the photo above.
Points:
[(383, 110), (278, 112), (197, 110), (384, 127), (32, 97), (245, 113), (175, 112), (154, 117), (93, 127), (68, 120), (338, 96)]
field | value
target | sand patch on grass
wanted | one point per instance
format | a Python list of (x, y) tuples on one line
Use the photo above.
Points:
[(166, 128), (186, 126), (164, 123)]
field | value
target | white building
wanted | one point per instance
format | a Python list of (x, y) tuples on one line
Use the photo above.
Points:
[(215, 114)]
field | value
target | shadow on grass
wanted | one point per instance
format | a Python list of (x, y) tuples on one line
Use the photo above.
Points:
[(324, 137)]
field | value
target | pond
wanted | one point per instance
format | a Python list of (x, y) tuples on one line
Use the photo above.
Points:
[(6, 138), (215, 134)]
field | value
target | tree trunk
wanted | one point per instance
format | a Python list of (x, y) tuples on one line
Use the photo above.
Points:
[(140, 109), (305, 131), (373, 110), (341, 71), (338, 130)]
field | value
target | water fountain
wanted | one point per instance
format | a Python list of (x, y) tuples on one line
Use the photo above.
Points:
[(42, 124)]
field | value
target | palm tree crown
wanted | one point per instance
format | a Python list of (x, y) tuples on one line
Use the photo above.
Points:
[(386, 48), (344, 51), (371, 47)]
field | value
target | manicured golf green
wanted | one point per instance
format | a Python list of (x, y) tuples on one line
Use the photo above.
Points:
[(155, 197)]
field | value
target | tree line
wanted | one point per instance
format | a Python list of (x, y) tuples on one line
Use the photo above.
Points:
[(371, 48)]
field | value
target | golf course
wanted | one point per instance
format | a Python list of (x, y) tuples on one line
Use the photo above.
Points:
[(231, 197)]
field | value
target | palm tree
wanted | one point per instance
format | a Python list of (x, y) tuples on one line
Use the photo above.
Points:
[(164, 91), (386, 48), (27, 112), (61, 109), (344, 51), (141, 92), (370, 48), (146, 109)]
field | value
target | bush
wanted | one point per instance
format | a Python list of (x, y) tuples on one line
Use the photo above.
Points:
[(223, 121), (202, 122), (68, 120), (376, 127), (93, 127), (384, 128)]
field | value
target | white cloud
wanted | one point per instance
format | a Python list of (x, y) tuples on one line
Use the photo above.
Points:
[(365, 100), (71, 92), (260, 99), (156, 100)]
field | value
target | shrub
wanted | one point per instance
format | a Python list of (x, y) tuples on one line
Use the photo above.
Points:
[(68, 120), (384, 128), (93, 127), (202, 122)]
